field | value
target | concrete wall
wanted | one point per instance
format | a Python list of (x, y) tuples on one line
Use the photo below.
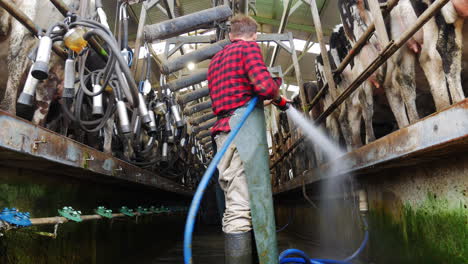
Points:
[(417, 214), (103, 241)]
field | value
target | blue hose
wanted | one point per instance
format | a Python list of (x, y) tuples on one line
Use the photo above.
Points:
[(190, 223), (301, 257)]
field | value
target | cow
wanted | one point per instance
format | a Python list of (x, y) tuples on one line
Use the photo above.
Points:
[(440, 35), (347, 118), (16, 43)]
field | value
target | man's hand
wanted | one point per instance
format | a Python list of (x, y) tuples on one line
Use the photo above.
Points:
[(282, 103)]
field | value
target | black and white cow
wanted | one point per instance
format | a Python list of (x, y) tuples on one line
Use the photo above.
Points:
[(347, 118), (438, 46)]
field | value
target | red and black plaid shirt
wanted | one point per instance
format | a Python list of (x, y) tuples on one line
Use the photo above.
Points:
[(236, 74)]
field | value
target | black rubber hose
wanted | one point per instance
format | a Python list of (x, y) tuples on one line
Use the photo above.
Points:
[(122, 63), (102, 121)]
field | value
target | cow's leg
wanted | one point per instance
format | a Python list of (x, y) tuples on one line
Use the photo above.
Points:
[(431, 63), (394, 97), (345, 126), (450, 44), (354, 119), (404, 80), (367, 102)]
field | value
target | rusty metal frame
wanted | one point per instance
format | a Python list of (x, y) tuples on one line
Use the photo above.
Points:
[(423, 141), (23, 144)]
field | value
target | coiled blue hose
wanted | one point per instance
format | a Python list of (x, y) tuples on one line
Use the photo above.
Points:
[(192, 214), (301, 257)]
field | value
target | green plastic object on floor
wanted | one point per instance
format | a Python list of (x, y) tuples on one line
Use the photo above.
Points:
[(143, 211), (126, 211), (102, 211), (251, 143), (71, 214)]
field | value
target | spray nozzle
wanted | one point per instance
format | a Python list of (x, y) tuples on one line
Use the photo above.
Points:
[(282, 103)]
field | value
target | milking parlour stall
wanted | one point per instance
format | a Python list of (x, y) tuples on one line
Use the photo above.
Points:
[(233, 131)]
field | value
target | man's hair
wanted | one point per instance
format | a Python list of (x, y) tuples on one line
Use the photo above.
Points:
[(242, 25)]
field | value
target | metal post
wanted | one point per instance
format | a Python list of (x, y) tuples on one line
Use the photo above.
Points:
[(297, 70), (282, 26), (141, 23), (323, 50)]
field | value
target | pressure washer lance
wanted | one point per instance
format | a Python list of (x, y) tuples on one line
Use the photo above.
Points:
[(123, 117), (69, 79), (97, 100), (40, 68), (27, 95)]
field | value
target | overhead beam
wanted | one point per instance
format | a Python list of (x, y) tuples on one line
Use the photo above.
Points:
[(290, 26)]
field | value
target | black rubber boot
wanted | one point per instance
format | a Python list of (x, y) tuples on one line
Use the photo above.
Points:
[(238, 248)]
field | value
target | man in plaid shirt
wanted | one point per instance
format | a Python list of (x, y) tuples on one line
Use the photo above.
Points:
[(237, 74)]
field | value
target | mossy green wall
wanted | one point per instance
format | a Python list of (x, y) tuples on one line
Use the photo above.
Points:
[(430, 233), (417, 214), (100, 241)]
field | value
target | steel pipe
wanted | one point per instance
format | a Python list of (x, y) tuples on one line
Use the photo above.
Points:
[(205, 125), (62, 220), (203, 134), (205, 140), (187, 23), (186, 81), (198, 120), (197, 108), (192, 96), (178, 63)]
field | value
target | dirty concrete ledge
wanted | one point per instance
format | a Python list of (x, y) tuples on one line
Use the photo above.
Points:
[(23, 144)]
